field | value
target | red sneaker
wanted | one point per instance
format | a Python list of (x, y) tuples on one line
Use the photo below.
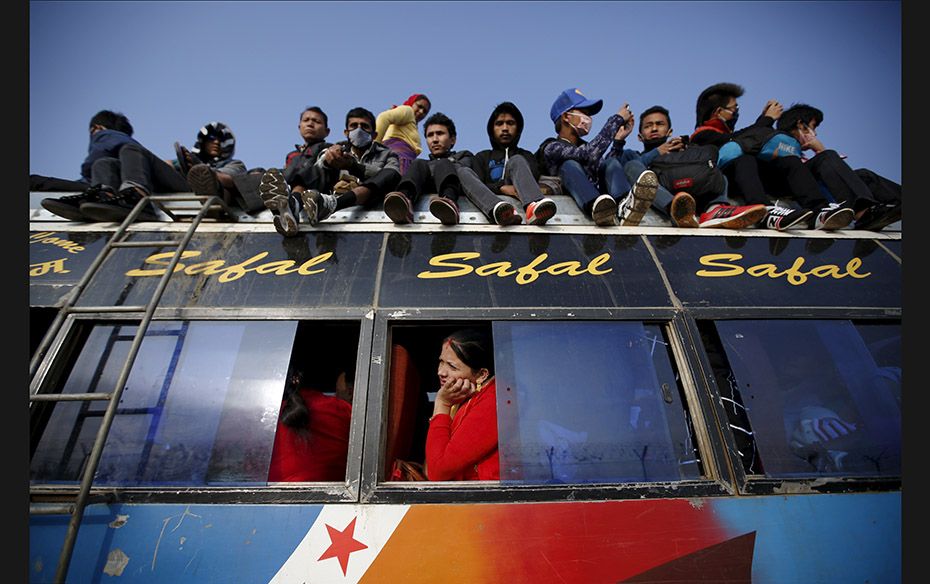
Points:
[(732, 217), (538, 212)]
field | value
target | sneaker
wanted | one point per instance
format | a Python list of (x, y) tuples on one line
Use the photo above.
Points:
[(682, 210), (202, 180), (876, 217), (277, 197), (632, 208), (538, 212), (186, 159), (318, 205), (784, 218), (69, 206), (834, 216), (604, 211), (117, 207), (445, 210), (397, 207), (503, 214), (732, 217)]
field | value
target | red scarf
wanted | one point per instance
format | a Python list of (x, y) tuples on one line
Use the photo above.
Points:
[(715, 124)]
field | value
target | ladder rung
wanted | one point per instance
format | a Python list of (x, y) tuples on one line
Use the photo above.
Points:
[(145, 244), (179, 197), (65, 509), (83, 309), (70, 396)]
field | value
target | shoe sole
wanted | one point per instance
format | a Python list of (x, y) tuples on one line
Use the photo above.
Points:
[(881, 222), (273, 191), (683, 210), (644, 191), (202, 181), (103, 213), (740, 221), (64, 210), (606, 214), (544, 212), (285, 224), (398, 210), (507, 217), (800, 222), (444, 212), (310, 206), (838, 220)]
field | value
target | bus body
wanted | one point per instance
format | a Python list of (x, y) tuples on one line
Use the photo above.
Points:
[(673, 405)]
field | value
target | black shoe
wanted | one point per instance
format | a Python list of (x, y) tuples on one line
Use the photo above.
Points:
[(69, 206), (202, 180), (398, 209), (445, 210), (878, 216), (186, 159), (117, 207), (834, 216), (278, 198)]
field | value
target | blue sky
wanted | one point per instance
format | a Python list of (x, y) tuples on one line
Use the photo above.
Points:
[(173, 66)]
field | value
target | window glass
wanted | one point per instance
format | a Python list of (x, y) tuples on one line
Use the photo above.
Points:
[(822, 397), (200, 406), (582, 402)]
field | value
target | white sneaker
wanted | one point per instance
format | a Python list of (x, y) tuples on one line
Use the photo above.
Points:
[(604, 211), (834, 216), (636, 203), (318, 205)]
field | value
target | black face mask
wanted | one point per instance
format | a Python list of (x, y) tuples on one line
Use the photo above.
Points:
[(653, 143), (731, 123)]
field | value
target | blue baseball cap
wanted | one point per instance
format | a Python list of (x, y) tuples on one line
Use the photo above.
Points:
[(572, 98)]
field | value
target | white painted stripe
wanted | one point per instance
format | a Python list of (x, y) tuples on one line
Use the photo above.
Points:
[(374, 525)]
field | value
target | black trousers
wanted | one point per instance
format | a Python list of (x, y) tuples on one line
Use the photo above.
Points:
[(842, 181), (430, 176), (137, 166)]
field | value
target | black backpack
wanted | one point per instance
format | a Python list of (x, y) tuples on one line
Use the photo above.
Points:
[(693, 170)]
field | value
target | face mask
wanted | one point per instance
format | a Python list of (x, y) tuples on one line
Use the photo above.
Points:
[(731, 123), (359, 138), (653, 143), (584, 125)]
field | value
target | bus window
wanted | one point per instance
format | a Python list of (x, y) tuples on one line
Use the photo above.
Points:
[(590, 402), (821, 398), (201, 404)]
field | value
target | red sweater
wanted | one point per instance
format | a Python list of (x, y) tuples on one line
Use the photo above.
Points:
[(320, 456), (465, 448)]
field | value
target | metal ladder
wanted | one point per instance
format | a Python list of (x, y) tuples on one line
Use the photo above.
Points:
[(117, 240)]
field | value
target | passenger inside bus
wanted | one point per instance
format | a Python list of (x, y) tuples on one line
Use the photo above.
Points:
[(461, 443), (312, 440)]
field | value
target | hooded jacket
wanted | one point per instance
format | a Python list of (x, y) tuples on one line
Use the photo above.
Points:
[(489, 164)]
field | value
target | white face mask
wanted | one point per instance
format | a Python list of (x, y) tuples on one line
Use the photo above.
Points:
[(584, 124), (359, 138)]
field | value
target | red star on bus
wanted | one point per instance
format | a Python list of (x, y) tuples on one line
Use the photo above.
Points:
[(342, 544)]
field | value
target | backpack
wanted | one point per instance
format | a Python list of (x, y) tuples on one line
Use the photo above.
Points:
[(693, 169)]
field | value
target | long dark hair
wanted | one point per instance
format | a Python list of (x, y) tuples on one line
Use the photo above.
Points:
[(294, 412), (474, 347)]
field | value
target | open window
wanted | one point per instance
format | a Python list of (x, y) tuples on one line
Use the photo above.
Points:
[(577, 402), (201, 404), (811, 398)]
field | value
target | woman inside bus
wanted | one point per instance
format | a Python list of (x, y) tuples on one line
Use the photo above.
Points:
[(396, 128), (312, 439), (461, 445)]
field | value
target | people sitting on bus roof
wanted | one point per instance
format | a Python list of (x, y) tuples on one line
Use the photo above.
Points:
[(396, 128), (461, 443), (705, 203), (312, 439), (758, 165), (584, 169), (357, 171), (508, 170), (118, 171), (450, 174), (280, 191), (211, 169), (829, 168)]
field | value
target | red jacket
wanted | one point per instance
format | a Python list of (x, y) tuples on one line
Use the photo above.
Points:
[(321, 455), (464, 448)]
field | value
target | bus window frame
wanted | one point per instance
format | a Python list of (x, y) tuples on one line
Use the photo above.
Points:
[(717, 480), (760, 484), (67, 345)]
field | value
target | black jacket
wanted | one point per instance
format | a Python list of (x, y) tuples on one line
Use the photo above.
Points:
[(489, 164)]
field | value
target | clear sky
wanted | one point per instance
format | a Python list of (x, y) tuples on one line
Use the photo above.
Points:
[(173, 66)]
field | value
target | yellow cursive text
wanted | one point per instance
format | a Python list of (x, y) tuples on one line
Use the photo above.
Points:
[(46, 237), (724, 268), (232, 272), (524, 274)]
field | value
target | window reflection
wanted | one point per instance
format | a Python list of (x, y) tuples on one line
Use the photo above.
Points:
[(200, 405), (589, 402), (822, 397)]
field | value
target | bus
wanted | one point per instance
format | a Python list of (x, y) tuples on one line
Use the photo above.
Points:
[(674, 405)]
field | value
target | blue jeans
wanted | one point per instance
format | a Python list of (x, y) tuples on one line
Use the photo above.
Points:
[(575, 181)]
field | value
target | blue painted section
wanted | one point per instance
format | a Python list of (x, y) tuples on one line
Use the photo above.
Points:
[(199, 544), (820, 538)]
